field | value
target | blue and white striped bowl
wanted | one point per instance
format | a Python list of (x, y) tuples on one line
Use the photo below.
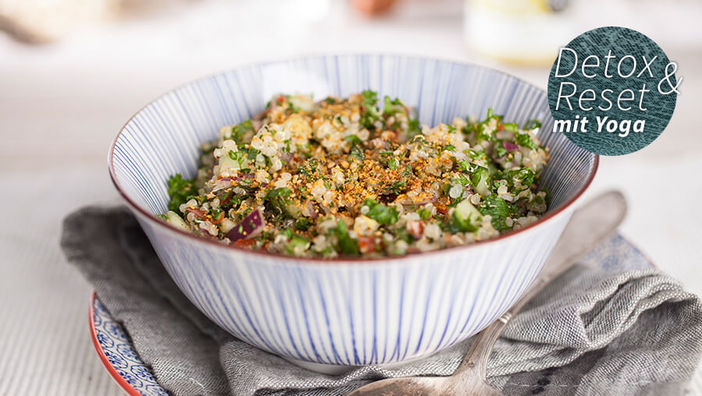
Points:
[(335, 313)]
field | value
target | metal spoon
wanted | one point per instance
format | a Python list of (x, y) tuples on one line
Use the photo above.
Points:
[(588, 227)]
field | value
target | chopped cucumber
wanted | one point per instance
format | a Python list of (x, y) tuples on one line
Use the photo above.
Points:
[(233, 160), (466, 217), (302, 102), (297, 245), (480, 181), (293, 210), (176, 221)]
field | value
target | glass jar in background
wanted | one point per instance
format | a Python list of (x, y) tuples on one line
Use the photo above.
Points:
[(524, 32)]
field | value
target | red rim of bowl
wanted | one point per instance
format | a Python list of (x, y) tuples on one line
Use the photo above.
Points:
[(101, 353), (337, 260)]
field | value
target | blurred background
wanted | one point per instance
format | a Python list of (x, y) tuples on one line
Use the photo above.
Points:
[(73, 71)]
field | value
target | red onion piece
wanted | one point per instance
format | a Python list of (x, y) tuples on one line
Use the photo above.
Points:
[(248, 227), (221, 184), (227, 182), (197, 212), (509, 146)]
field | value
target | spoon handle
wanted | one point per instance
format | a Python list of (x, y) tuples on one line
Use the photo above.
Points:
[(588, 227)]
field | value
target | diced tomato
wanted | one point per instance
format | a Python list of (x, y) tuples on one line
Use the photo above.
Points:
[(366, 244), (244, 242), (218, 219)]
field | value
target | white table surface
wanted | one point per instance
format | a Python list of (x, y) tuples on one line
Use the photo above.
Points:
[(62, 104)]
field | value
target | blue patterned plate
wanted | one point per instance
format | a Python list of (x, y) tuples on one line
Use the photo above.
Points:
[(117, 352), (115, 349)]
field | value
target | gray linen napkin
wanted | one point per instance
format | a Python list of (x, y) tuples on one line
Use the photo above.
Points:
[(612, 325)]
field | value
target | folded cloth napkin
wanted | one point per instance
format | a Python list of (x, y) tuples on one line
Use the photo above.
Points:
[(611, 325)]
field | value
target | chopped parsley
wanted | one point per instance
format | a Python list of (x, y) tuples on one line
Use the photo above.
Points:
[(238, 156), (524, 140), (382, 214), (345, 244), (354, 140), (500, 149), (393, 163), (424, 213), (180, 190), (279, 199), (370, 113), (532, 124), (302, 224), (414, 128), (499, 210), (390, 106), (242, 132)]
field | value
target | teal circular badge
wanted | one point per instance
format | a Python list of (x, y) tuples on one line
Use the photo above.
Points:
[(612, 90)]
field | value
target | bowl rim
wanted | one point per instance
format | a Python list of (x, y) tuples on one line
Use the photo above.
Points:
[(341, 259)]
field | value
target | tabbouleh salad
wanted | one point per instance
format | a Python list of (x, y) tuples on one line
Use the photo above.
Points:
[(359, 176)]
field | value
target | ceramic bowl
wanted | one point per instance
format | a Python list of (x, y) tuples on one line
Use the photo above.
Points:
[(328, 314)]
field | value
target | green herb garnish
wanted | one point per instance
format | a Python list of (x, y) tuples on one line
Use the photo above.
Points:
[(500, 149), (524, 140), (382, 214), (393, 163), (370, 113), (302, 224), (242, 132), (180, 190), (424, 213), (346, 244), (498, 209)]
